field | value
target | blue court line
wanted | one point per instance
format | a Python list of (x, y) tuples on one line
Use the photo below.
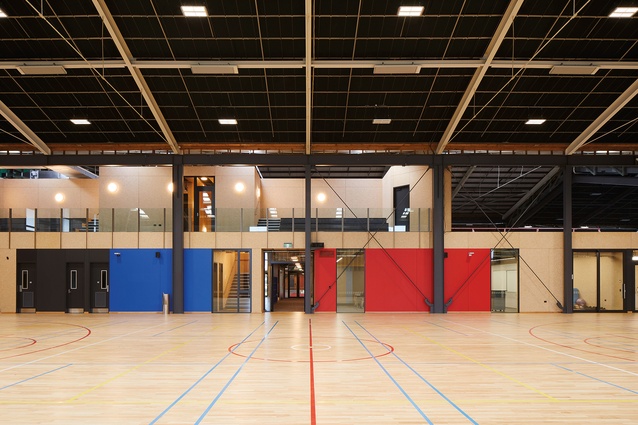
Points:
[(178, 399), (212, 403), (33, 377), (416, 406), (461, 411), (170, 330), (595, 379)]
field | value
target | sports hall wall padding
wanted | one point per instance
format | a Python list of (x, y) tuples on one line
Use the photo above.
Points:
[(467, 279), (325, 280)]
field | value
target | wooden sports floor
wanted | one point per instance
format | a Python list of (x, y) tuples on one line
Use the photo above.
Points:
[(291, 368)]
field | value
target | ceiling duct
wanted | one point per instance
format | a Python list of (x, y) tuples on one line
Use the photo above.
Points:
[(42, 70), (574, 69), (397, 69)]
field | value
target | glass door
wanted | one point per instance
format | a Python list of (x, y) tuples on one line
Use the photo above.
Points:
[(232, 286), (599, 281), (350, 281)]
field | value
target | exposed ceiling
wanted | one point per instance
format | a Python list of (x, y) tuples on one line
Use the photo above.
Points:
[(311, 76)]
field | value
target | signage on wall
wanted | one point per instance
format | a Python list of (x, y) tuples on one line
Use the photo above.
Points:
[(287, 244)]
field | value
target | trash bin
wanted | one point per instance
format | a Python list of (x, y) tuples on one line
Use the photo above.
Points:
[(165, 303)]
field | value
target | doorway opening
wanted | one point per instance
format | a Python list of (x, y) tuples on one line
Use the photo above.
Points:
[(199, 204), (601, 282), (504, 267), (284, 280), (232, 284)]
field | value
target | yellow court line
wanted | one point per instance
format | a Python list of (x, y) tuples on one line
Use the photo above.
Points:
[(119, 375), (498, 372)]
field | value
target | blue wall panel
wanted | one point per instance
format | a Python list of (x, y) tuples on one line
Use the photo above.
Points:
[(198, 278), (139, 278)]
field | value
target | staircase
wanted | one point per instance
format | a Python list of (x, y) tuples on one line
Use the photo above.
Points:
[(272, 224), (239, 304)]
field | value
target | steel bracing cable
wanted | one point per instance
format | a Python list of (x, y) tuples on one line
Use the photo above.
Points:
[(372, 236)]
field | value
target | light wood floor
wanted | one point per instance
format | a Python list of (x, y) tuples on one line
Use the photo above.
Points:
[(291, 368)]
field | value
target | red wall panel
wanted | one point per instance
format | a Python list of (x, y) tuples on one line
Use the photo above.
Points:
[(387, 286), (468, 279), (325, 280)]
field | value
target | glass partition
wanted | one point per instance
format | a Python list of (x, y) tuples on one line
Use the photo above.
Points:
[(231, 281), (152, 219), (504, 271), (611, 281), (5, 223), (74, 220), (585, 295), (22, 220), (350, 280)]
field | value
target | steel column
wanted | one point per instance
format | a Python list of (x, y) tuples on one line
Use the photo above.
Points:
[(568, 262), (178, 235), (309, 289), (438, 239)]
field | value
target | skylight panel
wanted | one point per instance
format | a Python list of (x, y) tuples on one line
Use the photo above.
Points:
[(410, 11), (623, 12), (194, 11)]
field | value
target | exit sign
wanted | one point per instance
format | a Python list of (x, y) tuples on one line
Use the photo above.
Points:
[(287, 244)]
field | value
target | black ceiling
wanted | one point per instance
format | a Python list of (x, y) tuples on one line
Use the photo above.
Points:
[(486, 66)]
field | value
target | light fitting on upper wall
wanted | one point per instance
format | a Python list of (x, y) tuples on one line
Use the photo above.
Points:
[(321, 197), (623, 12), (80, 121), (112, 187), (194, 11), (410, 11), (228, 121), (2, 14), (258, 192), (240, 187), (170, 187), (59, 197), (535, 121)]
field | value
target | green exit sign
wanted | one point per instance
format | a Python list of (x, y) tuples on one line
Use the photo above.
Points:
[(287, 244)]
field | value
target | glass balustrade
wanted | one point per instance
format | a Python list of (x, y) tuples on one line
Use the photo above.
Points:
[(217, 220)]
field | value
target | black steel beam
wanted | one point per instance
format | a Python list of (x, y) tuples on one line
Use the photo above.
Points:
[(385, 159), (607, 180)]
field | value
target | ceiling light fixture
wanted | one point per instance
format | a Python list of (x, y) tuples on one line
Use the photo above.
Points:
[(410, 11), (82, 121), (194, 11), (381, 121), (623, 12), (535, 121), (228, 121), (2, 14)]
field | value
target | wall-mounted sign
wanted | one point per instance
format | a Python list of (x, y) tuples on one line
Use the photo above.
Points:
[(287, 244)]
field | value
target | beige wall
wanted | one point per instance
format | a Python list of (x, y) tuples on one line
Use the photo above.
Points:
[(40, 193), (144, 187), (7, 280)]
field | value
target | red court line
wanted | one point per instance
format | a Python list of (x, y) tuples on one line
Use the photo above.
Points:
[(533, 329), (88, 332), (313, 413)]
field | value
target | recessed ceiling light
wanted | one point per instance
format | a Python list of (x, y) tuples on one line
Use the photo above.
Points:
[(194, 11), (410, 11), (228, 121), (381, 121), (623, 12), (80, 121), (2, 14), (535, 121)]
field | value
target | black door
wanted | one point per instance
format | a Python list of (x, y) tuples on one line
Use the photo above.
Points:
[(402, 208), (26, 287), (75, 287), (99, 287)]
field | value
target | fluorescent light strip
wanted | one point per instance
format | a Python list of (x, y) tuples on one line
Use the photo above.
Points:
[(80, 121), (623, 12), (535, 121), (381, 121), (224, 121), (410, 11), (194, 11)]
